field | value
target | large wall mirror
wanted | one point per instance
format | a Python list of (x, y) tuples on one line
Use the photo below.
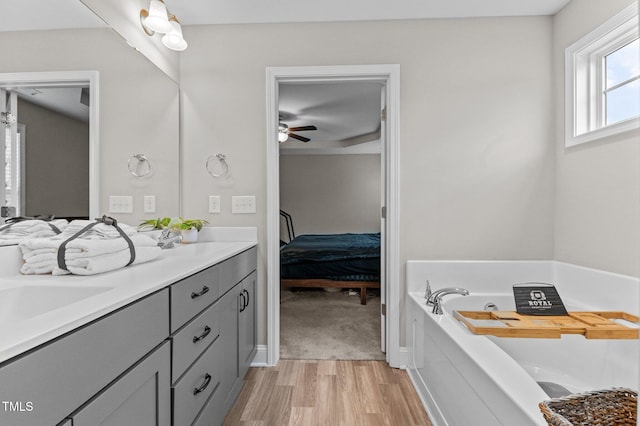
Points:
[(111, 103)]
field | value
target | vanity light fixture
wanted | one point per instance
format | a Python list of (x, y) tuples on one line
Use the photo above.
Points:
[(173, 39), (158, 20)]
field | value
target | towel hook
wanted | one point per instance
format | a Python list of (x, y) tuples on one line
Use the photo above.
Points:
[(138, 168), (223, 165)]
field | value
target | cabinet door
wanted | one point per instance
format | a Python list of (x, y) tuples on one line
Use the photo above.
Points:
[(141, 397), (247, 338), (229, 341)]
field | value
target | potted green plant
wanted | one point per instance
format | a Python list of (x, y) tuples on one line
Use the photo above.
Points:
[(188, 228)]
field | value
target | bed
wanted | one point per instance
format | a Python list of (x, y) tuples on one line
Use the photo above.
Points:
[(332, 260)]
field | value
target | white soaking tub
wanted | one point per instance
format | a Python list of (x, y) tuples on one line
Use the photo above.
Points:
[(467, 379)]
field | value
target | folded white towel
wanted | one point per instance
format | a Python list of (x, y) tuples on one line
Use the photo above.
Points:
[(33, 228), (98, 231), (85, 256)]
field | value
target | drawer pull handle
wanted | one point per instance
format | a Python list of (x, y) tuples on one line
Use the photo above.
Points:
[(242, 302), (247, 302), (207, 380), (204, 290), (204, 334)]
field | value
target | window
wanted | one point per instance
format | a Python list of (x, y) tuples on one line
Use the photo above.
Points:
[(603, 80)]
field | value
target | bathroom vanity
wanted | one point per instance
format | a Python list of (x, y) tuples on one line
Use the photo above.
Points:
[(167, 342)]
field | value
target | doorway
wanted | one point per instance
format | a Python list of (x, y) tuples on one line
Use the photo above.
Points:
[(388, 76)]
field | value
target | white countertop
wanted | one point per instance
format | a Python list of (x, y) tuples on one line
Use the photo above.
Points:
[(116, 289)]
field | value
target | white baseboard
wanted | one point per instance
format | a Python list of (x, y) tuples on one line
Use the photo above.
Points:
[(260, 360)]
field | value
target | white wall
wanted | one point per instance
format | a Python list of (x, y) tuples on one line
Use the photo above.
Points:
[(476, 149), (327, 194), (138, 109), (597, 201)]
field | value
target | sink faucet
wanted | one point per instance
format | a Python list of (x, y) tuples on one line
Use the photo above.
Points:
[(166, 240), (436, 297)]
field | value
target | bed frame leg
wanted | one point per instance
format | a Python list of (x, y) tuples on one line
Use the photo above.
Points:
[(363, 296)]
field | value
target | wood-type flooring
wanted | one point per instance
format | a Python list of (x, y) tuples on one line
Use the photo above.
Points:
[(327, 393)]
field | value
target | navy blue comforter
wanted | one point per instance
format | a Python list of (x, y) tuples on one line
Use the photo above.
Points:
[(351, 257)]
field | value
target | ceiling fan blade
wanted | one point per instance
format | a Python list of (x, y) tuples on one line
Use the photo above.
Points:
[(302, 129), (300, 138)]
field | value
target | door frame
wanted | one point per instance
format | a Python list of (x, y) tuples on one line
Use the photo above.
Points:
[(389, 75)]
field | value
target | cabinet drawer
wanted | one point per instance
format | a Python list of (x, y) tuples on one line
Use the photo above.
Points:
[(60, 376), (203, 375), (233, 270), (214, 410), (193, 294), (194, 338)]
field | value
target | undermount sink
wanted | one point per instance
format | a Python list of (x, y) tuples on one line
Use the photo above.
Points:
[(24, 302)]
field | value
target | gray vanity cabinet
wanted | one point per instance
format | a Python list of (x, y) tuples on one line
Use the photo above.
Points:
[(176, 357), (219, 346), (141, 397), (60, 376)]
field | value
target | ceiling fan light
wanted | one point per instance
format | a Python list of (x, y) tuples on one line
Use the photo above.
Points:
[(157, 19), (282, 136)]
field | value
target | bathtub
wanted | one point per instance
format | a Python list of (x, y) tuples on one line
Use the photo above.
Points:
[(466, 379)]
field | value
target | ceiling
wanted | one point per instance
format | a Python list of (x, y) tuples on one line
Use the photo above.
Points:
[(48, 14), (198, 12), (346, 116)]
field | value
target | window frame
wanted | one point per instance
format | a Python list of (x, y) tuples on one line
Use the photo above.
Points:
[(584, 79)]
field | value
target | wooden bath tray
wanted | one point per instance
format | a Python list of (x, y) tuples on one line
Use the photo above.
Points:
[(593, 325)]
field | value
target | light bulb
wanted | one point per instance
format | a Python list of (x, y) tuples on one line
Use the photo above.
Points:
[(158, 19), (173, 39)]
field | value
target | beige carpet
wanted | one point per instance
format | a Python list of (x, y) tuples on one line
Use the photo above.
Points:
[(315, 324)]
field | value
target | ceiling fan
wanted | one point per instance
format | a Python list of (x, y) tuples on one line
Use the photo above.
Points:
[(285, 132)]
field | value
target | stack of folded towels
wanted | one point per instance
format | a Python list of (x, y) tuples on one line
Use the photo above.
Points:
[(34, 228), (98, 250)]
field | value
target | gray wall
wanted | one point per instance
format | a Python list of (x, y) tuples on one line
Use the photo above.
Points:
[(597, 199), (476, 148), (328, 194), (56, 162)]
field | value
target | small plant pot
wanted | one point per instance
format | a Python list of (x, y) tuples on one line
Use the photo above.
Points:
[(189, 236)]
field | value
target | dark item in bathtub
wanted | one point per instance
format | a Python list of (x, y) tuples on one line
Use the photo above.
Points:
[(538, 299), (592, 325), (616, 406)]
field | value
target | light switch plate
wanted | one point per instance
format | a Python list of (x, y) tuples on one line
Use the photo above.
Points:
[(243, 204), (214, 204), (120, 204), (149, 203)]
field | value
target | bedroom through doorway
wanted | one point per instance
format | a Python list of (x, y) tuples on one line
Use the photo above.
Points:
[(331, 194)]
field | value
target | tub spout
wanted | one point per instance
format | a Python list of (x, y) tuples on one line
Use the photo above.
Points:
[(437, 304), (452, 290)]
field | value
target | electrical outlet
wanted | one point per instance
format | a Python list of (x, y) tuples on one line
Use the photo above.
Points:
[(120, 204), (243, 204), (149, 203), (214, 204)]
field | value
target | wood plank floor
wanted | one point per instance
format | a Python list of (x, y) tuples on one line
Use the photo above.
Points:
[(327, 393)]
